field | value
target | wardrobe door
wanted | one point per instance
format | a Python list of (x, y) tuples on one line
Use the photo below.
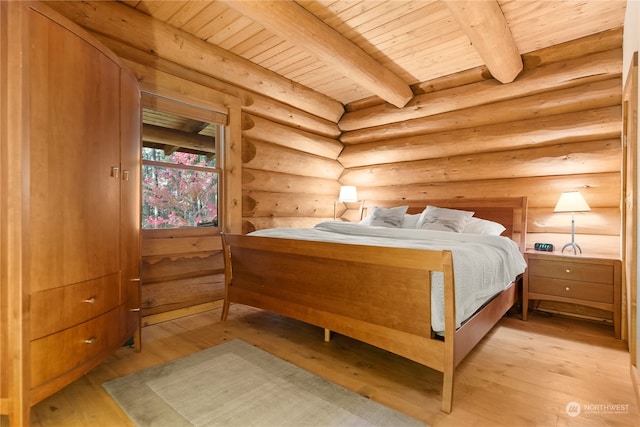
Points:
[(131, 143), (74, 208)]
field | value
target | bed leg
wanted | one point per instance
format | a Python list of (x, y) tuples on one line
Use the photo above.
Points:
[(447, 392), (226, 251), (225, 310), (327, 335)]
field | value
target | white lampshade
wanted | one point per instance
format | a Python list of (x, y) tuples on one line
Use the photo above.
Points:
[(572, 201), (348, 193)]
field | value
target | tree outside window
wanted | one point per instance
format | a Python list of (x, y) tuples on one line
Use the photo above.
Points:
[(180, 176)]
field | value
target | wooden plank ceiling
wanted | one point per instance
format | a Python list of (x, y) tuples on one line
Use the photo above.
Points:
[(350, 50)]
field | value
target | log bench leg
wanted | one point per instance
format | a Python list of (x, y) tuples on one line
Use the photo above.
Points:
[(327, 335)]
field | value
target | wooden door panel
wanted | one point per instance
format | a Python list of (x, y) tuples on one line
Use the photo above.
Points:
[(130, 202), (75, 137)]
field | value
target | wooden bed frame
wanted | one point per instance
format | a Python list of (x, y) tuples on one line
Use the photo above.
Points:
[(379, 295)]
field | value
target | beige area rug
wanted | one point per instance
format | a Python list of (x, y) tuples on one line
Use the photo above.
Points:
[(237, 384)]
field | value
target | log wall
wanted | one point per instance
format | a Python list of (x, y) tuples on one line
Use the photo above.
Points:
[(180, 271), (290, 177), (556, 128)]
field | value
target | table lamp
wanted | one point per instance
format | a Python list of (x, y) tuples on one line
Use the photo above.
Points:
[(572, 201), (348, 193)]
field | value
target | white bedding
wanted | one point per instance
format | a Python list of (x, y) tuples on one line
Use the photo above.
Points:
[(483, 265)]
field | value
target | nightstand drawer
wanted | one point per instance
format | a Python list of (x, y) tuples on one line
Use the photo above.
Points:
[(587, 291), (568, 270)]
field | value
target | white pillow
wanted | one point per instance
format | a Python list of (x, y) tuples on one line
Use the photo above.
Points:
[(483, 226), (386, 217), (443, 219), (410, 220)]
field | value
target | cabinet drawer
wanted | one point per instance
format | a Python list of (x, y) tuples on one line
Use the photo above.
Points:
[(567, 270), (587, 291), (57, 309), (56, 354)]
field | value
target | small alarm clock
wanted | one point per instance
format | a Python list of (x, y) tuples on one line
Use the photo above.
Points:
[(546, 247)]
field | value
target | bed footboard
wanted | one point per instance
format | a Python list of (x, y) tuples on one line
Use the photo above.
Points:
[(378, 295)]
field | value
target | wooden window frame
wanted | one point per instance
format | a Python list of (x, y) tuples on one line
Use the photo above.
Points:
[(211, 113)]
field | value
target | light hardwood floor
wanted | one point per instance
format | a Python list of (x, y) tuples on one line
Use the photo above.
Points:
[(521, 374)]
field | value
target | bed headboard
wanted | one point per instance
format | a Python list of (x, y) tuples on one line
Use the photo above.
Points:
[(511, 212)]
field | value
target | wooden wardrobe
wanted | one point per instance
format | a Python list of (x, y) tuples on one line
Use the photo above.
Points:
[(69, 206)]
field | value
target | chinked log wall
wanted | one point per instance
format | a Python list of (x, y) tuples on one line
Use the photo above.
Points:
[(556, 128)]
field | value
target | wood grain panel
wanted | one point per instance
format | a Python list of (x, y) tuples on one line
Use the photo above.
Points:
[(270, 157), (601, 189), (74, 304), (605, 221), (570, 270), (565, 159), (259, 180), (70, 239), (153, 247), (555, 76), (172, 295), (259, 203), (260, 129), (81, 343), (580, 126), (589, 96), (162, 268), (588, 291), (523, 16)]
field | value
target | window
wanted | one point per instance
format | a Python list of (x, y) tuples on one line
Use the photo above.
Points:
[(181, 171)]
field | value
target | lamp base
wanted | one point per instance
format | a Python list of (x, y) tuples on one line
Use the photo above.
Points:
[(574, 246), (348, 205)]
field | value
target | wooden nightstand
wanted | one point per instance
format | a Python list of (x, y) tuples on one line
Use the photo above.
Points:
[(589, 281)]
